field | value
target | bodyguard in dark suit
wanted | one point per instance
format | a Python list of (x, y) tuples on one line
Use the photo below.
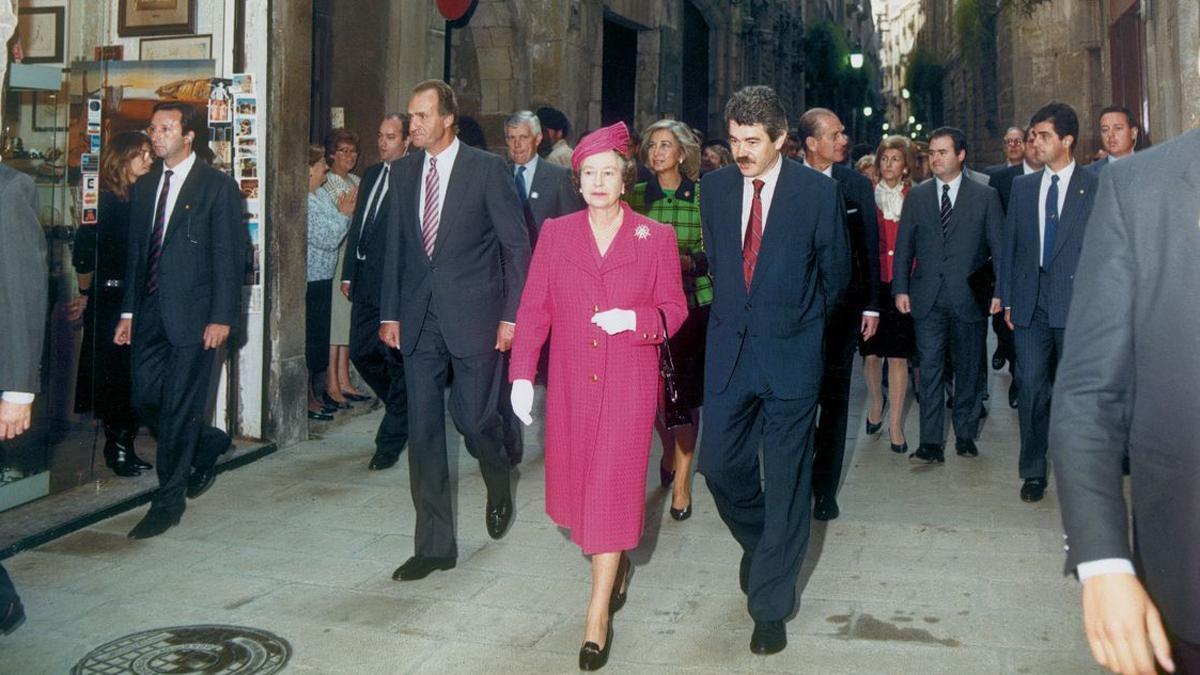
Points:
[(23, 306), (362, 280), (778, 251), (1118, 136), (457, 254), (1043, 234), (183, 296), (950, 226), (825, 144), (1130, 378)]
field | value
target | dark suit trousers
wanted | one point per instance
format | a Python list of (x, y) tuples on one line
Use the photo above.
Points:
[(1039, 349), (1186, 656), (475, 410), (771, 521), (170, 393), (841, 343), (8, 592), (383, 369), (938, 332), (514, 436)]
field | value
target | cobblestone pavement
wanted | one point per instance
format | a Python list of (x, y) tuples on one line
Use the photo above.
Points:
[(928, 570)]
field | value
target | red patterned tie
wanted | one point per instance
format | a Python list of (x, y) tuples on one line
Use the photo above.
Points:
[(156, 236), (754, 231), (429, 219)]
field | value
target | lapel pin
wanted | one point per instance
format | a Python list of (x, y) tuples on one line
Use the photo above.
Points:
[(533, 195), (642, 232)]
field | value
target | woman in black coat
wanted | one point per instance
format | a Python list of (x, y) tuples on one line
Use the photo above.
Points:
[(105, 376)]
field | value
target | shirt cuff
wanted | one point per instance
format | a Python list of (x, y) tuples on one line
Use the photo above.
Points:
[(126, 315), (18, 397), (1087, 570), (509, 323), (868, 312), (386, 321)]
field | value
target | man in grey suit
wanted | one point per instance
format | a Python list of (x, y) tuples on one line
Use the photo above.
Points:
[(1047, 217), (23, 306), (1130, 378), (457, 254), (950, 225)]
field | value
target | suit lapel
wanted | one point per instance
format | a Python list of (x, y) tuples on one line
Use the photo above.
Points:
[(1076, 193), (182, 212), (621, 250), (578, 250), (461, 176), (773, 237)]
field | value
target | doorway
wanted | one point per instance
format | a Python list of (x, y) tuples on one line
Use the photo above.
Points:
[(618, 89), (695, 68)]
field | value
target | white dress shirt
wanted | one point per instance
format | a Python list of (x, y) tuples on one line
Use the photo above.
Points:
[(828, 171), (18, 397), (954, 185), (530, 169), (179, 174), (1028, 169), (445, 165), (769, 178), (1064, 179)]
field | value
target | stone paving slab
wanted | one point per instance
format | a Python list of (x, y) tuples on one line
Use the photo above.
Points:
[(928, 570)]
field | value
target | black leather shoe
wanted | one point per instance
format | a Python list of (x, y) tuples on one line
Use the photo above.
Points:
[(200, 480), (383, 460), (682, 514), (1013, 393), (825, 508), (356, 398), (1033, 490), (997, 360), (901, 449), (769, 637), (744, 573), (873, 429), (125, 439), (928, 453), (13, 617), (155, 523), (498, 518), (591, 656), (666, 476), (966, 448), (983, 413), (319, 415), (118, 457), (419, 567), (620, 590)]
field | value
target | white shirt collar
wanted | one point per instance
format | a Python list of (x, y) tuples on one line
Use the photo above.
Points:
[(1028, 169), (953, 184), (1064, 176), (530, 166), (768, 177), (828, 170), (445, 158), (181, 170)]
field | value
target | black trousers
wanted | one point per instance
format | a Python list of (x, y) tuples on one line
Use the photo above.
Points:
[(475, 410), (318, 304), (1039, 349), (514, 432), (841, 344), (938, 332), (383, 369), (8, 592), (771, 522), (1186, 656), (170, 390)]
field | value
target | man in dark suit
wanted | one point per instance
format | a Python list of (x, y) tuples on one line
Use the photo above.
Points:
[(546, 191), (950, 226), (1118, 136), (825, 143), (1130, 378), (455, 264), (778, 251), (362, 279), (183, 296), (23, 306), (1043, 233), (1014, 151)]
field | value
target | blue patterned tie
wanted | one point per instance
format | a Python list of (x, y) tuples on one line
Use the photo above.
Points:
[(1051, 220)]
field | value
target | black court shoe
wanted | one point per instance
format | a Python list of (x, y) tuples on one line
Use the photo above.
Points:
[(591, 656)]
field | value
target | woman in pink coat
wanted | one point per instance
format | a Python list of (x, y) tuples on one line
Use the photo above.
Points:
[(602, 283)]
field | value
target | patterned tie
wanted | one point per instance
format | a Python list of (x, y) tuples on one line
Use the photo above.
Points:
[(524, 194), (156, 235), (754, 232), (372, 211), (945, 210), (429, 219), (1051, 220)]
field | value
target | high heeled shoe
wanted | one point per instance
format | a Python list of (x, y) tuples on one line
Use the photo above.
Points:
[(355, 398), (620, 591), (591, 656), (901, 449), (682, 514), (873, 428), (666, 476)]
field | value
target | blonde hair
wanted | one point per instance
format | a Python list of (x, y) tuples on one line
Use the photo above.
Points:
[(905, 147), (688, 147)]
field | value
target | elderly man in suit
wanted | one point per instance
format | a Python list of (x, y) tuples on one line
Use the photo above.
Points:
[(187, 248), (455, 264), (1047, 218), (1129, 379), (362, 278), (777, 247), (825, 144), (23, 304), (950, 226)]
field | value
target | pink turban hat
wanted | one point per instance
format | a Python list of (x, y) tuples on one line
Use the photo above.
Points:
[(613, 137)]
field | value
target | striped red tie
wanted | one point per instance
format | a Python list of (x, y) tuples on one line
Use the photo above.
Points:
[(429, 219), (754, 232)]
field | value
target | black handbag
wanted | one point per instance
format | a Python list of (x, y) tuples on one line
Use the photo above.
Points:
[(675, 412)]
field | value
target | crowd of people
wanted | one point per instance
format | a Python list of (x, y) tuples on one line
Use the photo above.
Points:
[(632, 274)]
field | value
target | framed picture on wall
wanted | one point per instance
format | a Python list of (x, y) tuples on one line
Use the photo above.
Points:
[(176, 48), (156, 17), (42, 30), (48, 115)]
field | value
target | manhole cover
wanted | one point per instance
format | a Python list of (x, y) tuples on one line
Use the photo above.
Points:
[(219, 650)]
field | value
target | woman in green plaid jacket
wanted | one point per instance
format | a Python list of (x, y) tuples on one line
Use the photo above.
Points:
[(672, 197)]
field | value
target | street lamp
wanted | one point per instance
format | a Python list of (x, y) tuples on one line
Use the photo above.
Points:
[(918, 127), (911, 119), (886, 126), (867, 111), (856, 57), (904, 93)]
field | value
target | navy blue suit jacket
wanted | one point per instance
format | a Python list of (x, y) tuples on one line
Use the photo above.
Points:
[(803, 268), (863, 226), (1018, 281)]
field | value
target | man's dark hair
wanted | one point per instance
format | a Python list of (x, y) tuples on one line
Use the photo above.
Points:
[(955, 135), (716, 141), (1119, 109), (1062, 116), (809, 125), (189, 116), (471, 133), (553, 118), (402, 118), (859, 151), (758, 104), (447, 100)]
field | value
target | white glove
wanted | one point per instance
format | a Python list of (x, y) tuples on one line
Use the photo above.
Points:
[(522, 400), (613, 321)]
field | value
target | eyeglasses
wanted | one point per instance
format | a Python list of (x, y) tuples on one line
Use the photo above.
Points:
[(347, 151), (1013, 141)]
